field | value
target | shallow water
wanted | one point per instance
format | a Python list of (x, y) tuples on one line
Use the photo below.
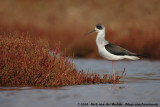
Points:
[(140, 86)]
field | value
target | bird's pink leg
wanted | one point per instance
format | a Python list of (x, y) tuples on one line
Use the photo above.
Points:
[(114, 76)]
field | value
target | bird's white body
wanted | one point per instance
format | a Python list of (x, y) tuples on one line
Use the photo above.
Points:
[(101, 42)]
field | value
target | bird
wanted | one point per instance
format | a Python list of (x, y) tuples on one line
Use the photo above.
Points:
[(110, 51)]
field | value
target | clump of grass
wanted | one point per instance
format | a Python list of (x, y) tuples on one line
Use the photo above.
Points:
[(28, 62)]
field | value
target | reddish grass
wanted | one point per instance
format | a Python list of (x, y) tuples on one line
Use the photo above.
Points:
[(29, 62), (128, 23)]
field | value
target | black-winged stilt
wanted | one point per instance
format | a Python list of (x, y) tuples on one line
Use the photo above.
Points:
[(111, 51)]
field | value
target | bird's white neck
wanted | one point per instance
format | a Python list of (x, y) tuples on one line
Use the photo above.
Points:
[(100, 39)]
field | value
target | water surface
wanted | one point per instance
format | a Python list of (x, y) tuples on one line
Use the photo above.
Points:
[(140, 86)]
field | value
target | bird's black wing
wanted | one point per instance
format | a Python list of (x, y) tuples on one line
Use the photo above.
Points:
[(117, 50)]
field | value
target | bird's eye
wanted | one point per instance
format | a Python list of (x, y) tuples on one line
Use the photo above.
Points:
[(99, 27)]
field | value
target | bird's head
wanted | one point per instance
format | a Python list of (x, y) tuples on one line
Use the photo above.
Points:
[(98, 28)]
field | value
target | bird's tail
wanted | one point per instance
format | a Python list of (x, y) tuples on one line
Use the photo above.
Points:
[(141, 55), (132, 57)]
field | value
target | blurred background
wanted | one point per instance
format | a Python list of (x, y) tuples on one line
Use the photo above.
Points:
[(132, 24)]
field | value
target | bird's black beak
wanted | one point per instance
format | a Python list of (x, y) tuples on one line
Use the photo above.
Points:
[(90, 32)]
